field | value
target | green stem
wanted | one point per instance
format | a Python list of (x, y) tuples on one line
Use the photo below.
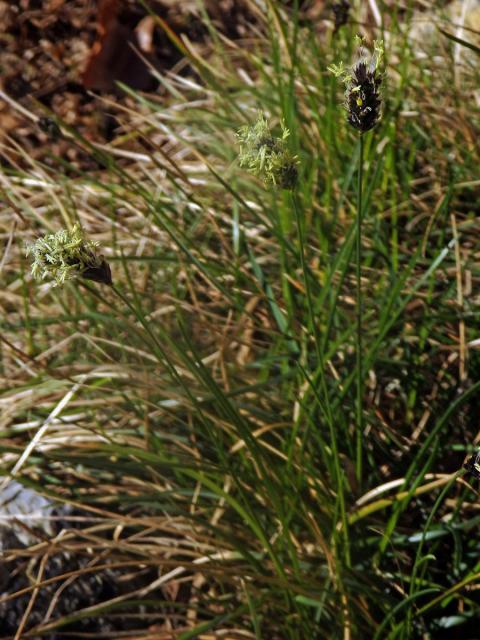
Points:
[(306, 278), (157, 346), (323, 382), (358, 346)]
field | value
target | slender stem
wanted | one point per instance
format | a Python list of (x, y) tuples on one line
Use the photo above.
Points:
[(306, 278), (358, 346), (157, 346), (320, 369)]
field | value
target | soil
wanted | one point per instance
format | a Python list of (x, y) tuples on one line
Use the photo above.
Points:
[(64, 57)]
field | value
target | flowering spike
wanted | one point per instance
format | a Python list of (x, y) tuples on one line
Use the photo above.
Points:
[(66, 255), (362, 87), (266, 156)]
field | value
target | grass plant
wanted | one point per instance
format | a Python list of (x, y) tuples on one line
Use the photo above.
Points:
[(289, 468)]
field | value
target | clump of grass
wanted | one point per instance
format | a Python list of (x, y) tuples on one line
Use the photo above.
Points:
[(209, 417)]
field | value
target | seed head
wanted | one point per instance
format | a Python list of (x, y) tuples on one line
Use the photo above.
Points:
[(66, 255), (362, 87), (267, 156)]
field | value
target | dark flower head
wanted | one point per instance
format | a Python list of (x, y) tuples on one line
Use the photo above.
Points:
[(363, 99), (362, 88), (66, 255)]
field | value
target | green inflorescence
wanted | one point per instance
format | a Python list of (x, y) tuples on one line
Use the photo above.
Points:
[(66, 255), (267, 156)]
